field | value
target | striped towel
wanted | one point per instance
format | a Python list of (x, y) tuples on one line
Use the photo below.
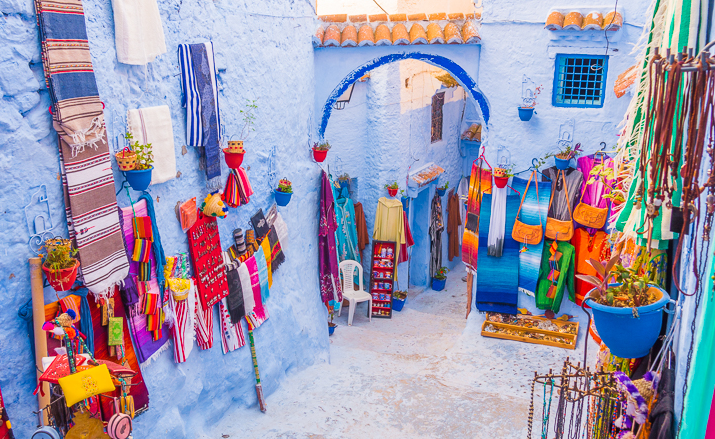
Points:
[(85, 165), (142, 249), (200, 97), (183, 331), (255, 312), (204, 324)]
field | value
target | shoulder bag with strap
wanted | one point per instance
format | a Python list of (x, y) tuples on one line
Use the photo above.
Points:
[(526, 233), (555, 229), (590, 216)]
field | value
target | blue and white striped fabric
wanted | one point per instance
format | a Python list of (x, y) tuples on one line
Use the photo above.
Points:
[(200, 97)]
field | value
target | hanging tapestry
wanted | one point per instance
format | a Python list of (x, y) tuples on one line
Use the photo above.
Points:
[(498, 277), (436, 227), (85, 165), (480, 183), (200, 98), (152, 125), (205, 250), (530, 255), (555, 274), (330, 289)]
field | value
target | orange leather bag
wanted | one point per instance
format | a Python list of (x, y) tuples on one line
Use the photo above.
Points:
[(560, 230), (526, 233), (589, 216)]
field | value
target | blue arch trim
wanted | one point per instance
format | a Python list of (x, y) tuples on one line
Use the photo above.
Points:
[(453, 68)]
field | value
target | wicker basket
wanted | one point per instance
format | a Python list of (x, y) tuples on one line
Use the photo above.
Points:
[(126, 159)]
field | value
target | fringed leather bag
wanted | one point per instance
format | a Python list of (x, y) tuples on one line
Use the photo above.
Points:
[(526, 233), (556, 229)]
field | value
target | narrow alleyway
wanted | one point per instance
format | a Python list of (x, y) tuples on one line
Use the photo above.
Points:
[(427, 373)]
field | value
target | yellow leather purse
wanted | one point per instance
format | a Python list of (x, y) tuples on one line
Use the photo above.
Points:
[(556, 229), (526, 233), (85, 384)]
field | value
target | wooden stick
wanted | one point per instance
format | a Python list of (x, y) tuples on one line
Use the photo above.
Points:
[(259, 388), (470, 279), (38, 319)]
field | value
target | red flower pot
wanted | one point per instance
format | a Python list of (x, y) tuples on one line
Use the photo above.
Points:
[(233, 159), (319, 155), (61, 280), (500, 182), (392, 192)]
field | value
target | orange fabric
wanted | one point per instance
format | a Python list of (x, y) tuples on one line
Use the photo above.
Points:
[(362, 235), (588, 246)]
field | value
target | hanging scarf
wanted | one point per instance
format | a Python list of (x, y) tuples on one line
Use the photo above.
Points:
[(266, 249), (281, 231), (277, 256), (204, 324), (156, 243), (436, 227), (495, 240), (258, 314), (230, 195), (184, 311), (200, 97), (327, 252), (246, 289), (231, 334), (479, 184)]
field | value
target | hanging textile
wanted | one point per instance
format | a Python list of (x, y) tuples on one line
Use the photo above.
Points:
[(594, 187), (330, 289), (555, 274), (277, 256), (463, 197), (250, 285), (409, 242), (498, 277), (262, 270), (234, 301), (85, 165), (436, 226), (204, 318), (200, 97), (662, 414), (588, 246), (480, 183), (363, 238), (266, 248), (182, 303), (138, 34), (531, 208), (346, 233), (389, 221), (454, 223), (152, 125), (281, 231), (231, 334), (497, 222), (205, 250), (574, 180), (5, 424)]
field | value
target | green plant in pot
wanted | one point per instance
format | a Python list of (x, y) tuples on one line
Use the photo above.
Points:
[(284, 192), (233, 155), (441, 190), (563, 157), (139, 178), (392, 188), (60, 265), (398, 300), (627, 307), (331, 325), (320, 150), (439, 280), (502, 174)]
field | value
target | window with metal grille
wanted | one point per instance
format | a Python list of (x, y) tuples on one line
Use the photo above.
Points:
[(437, 104), (580, 80)]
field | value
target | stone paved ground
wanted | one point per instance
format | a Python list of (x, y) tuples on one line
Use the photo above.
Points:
[(427, 373)]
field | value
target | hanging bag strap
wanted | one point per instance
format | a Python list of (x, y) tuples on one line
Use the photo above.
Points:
[(523, 197), (566, 188)]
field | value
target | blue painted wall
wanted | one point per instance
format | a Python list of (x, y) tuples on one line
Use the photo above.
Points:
[(264, 51)]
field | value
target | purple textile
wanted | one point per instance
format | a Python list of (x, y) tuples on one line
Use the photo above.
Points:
[(593, 193), (327, 250)]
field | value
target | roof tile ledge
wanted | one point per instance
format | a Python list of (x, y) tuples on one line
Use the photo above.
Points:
[(584, 19)]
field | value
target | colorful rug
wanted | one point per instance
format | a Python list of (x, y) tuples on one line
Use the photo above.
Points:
[(480, 182)]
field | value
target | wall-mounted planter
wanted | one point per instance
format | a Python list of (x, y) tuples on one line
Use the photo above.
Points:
[(441, 191), (139, 180), (392, 192), (500, 182), (319, 155), (61, 280), (525, 113), (562, 164), (233, 159), (282, 198)]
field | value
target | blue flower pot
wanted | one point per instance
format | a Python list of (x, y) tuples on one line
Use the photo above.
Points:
[(562, 164), (625, 335), (441, 192), (139, 180), (525, 114), (331, 330), (405, 202), (282, 198), (438, 284), (398, 304)]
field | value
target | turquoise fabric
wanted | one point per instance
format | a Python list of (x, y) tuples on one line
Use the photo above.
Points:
[(346, 234)]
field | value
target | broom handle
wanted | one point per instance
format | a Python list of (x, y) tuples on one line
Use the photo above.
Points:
[(38, 319), (470, 280), (259, 388)]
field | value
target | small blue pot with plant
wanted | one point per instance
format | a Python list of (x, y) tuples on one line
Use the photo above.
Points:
[(283, 192), (440, 279), (139, 178), (443, 189), (399, 298)]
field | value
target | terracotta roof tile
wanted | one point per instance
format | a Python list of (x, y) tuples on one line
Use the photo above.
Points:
[(576, 21), (318, 36), (332, 36), (377, 17), (469, 33), (417, 17), (349, 37), (435, 34), (555, 21), (573, 21), (452, 35), (418, 34), (456, 16), (334, 18), (613, 21), (592, 21), (399, 35), (365, 36), (358, 18), (474, 16), (437, 16), (398, 17), (382, 35)]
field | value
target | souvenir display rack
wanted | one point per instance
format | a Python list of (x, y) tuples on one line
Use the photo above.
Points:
[(531, 329), (382, 278)]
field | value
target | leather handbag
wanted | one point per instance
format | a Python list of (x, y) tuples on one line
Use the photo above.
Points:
[(589, 216), (85, 384), (556, 229), (526, 233), (120, 424)]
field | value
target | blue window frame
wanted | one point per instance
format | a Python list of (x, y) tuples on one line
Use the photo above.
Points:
[(580, 81)]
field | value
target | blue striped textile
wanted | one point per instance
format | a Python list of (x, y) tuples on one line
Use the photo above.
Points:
[(498, 277)]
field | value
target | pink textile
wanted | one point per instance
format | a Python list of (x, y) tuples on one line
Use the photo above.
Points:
[(232, 336), (409, 242), (329, 280), (710, 432), (592, 194), (259, 314)]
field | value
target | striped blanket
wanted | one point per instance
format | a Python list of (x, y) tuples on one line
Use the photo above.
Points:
[(200, 97), (85, 165), (479, 183)]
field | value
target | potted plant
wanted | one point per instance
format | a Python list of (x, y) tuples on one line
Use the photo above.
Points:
[(404, 199), (234, 153), (60, 266), (440, 279), (344, 180), (527, 110), (331, 325), (392, 188), (627, 308), (283, 192), (502, 174), (320, 150), (564, 156), (398, 300), (139, 178), (443, 189)]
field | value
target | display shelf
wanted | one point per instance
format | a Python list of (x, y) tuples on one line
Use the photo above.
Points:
[(529, 329), (381, 288)]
